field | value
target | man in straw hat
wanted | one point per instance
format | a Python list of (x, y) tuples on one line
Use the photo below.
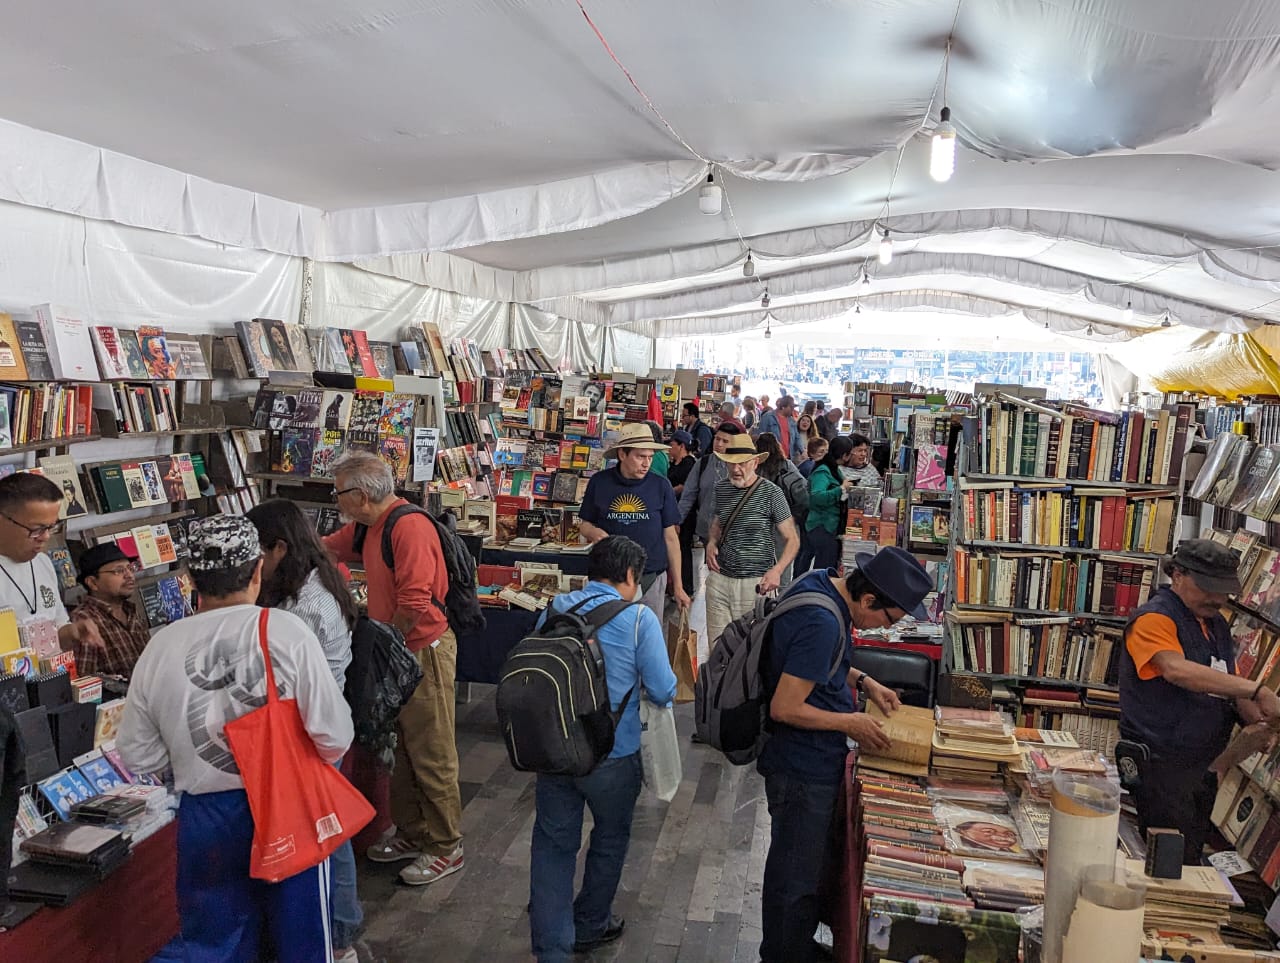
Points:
[(741, 559), (812, 712), (629, 500), (1180, 696)]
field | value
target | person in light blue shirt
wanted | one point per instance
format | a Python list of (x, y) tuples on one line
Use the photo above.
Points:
[(635, 655)]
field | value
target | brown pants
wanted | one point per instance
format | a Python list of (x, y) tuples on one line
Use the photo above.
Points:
[(425, 802)]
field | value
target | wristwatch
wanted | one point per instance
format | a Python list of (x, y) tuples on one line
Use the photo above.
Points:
[(857, 683)]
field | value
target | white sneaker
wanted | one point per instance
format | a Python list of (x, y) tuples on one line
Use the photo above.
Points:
[(429, 869), (349, 955)]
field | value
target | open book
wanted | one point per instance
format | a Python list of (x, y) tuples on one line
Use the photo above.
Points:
[(910, 731)]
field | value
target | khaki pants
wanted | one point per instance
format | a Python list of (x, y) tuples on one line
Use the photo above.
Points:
[(425, 801), (727, 599)]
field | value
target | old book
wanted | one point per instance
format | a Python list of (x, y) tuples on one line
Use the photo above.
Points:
[(188, 357), (910, 731), (67, 339)]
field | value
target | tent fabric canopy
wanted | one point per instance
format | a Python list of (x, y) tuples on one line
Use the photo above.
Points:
[(1112, 156)]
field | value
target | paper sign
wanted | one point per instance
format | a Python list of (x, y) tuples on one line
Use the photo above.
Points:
[(426, 441), (1230, 863)]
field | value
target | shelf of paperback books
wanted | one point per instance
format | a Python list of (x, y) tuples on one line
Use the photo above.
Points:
[(1013, 610)]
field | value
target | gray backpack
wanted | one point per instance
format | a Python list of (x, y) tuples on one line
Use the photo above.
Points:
[(730, 703)]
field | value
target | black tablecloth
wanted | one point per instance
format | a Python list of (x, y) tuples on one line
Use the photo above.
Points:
[(571, 563), (481, 654)]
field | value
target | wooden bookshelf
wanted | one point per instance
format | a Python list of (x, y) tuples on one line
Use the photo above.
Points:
[(47, 443), (1040, 480), (1032, 548), (1036, 613)]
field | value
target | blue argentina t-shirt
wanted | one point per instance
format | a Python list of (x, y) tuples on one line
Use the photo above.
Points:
[(640, 509), (803, 643)]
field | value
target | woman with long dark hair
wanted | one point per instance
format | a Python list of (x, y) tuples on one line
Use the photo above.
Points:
[(827, 486), (299, 576)]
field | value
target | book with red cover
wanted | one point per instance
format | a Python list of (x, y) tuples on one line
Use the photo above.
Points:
[(364, 354)]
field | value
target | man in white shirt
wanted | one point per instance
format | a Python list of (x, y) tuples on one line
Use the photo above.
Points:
[(194, 677), (29, 508)]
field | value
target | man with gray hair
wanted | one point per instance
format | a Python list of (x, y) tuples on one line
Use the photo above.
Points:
[(425, 802), (728, 415)]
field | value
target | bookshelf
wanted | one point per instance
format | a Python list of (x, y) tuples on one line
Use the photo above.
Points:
[(1061, 517)]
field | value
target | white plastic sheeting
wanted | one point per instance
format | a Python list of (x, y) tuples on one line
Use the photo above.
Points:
[(125, 276)]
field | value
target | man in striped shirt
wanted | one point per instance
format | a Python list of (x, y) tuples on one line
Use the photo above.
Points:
[(740, 545)]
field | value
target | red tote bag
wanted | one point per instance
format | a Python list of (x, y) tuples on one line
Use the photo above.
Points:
[(303, 809)]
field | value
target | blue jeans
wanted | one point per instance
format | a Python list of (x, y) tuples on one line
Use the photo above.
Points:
[(799, 856), (556, 919), (347, 914)]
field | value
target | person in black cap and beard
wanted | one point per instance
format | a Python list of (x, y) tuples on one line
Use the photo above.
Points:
[(811, 713), (1180, 696), (108, 576)]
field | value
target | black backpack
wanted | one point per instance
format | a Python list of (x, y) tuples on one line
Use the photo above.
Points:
[(382, 676), (553, 697), (460, 604)]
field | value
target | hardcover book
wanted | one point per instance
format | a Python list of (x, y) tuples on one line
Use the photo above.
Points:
[(12, 367), (113, 363), (336, 410), (154, 349), (257, 351), (61, 470), (135, 486), (70, 348), (34, 351), (188, 357)]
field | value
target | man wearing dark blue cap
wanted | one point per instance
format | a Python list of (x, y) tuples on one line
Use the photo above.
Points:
[(812, 712), (1180, 696)]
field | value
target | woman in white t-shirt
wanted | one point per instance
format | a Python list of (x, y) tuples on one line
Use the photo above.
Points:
[(299, 576)]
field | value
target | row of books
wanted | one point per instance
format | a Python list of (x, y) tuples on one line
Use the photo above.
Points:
[(1241, 476), (548, 455), (59, 345), (118, 486), (1082, 444), (1069, 517), (517, 522), (1066, 649), (1092, 719), (48, 410), (1106, 585), (1245, 812), (145, 407)]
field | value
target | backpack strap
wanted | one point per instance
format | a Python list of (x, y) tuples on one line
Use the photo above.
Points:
[(724, 530), (825, 601), (361, 532)]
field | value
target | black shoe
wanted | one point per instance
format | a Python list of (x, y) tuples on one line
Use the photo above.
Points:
[(616, 925)]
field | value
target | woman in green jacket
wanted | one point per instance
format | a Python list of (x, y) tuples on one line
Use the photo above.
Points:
[(826, 496)]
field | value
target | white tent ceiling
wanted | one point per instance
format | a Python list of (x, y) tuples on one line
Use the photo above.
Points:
[(1111, 153)]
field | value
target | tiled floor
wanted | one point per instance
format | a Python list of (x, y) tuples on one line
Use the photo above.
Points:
[(690, 890)]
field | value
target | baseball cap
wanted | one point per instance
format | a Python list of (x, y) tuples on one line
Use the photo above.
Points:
[(94, 559), (221, 542), (1214, 567), (682, 436)]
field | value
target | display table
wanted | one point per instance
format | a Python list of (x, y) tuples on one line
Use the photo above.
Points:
[(571, 563), (481, 654), (127, 919), (932, 649)]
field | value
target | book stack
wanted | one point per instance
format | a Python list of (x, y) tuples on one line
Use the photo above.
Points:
[(120, 486), (45, 411), (911, 731), (1203, 897), (972, 744), (1245, 811), (1092, 718), (904, 854)]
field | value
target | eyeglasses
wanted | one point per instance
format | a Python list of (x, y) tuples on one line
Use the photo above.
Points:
[(339, 492), (121, 570), (37, 532)]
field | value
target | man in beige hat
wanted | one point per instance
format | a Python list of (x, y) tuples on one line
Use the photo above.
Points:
[(629, 500), (741, 559)]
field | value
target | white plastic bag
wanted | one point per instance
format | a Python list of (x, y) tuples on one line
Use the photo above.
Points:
[(660, 749)]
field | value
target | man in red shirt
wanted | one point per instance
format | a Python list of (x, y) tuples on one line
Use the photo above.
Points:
[(425, 802)]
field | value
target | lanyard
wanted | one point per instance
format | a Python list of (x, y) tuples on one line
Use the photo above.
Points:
[(35, 595)]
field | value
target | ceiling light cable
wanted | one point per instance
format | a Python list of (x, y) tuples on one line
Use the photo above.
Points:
[(1128, 312)]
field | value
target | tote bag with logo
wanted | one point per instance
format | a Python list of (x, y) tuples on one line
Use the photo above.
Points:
[(303, 809)]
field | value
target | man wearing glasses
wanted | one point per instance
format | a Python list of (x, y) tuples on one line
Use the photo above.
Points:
[(107, 575), (29, 508), (807, 666)]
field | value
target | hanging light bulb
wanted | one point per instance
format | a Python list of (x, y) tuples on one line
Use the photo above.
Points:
[(1046, 325), (748, 266), (886, 248), (942, 157), (1166, 322), (1088, 330), (1128, 312), (709, 195), (764, 300), (866, 278), (857, 309), (768, 331)]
